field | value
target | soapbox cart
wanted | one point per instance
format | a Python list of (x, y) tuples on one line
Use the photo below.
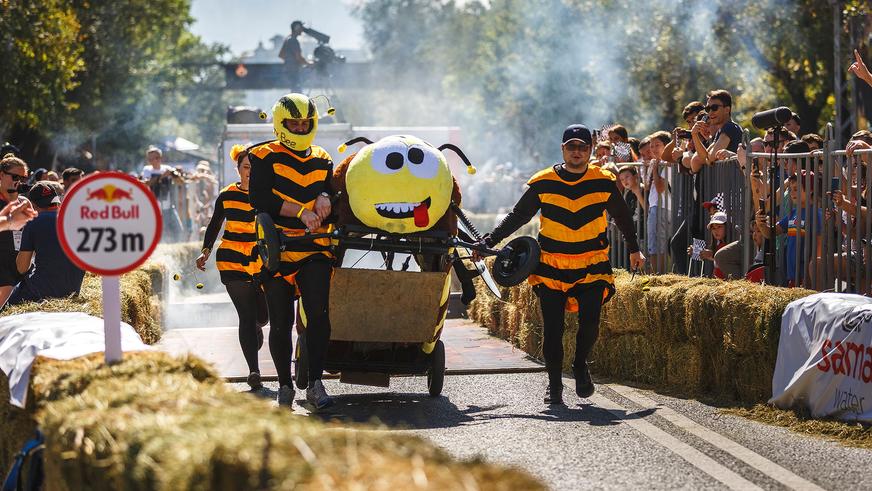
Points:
[(389, 321)]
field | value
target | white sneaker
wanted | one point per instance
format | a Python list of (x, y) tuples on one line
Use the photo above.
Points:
[(317, 396), (286, 396)]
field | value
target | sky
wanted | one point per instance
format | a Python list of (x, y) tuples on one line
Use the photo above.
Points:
[(240, 24)]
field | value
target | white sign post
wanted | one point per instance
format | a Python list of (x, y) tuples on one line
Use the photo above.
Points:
[(109, 223)]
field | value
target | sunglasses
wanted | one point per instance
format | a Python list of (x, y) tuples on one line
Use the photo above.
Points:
[(713, 107), (16, 177), (577, 147)]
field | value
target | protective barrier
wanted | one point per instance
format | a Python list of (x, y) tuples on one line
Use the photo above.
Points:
[(818, 244)]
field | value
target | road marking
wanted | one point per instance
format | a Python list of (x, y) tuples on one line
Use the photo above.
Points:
[(744, 454), (693, 456)]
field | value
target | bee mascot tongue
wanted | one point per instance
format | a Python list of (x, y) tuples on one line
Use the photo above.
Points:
[(400, 184)]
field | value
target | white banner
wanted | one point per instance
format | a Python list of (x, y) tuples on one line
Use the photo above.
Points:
[(58, 335), (825, 357)]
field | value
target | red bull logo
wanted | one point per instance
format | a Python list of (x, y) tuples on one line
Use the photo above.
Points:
[(109, 194)]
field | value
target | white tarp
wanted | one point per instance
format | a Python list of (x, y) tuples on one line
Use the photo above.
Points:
[(825, 356), (58, 335)]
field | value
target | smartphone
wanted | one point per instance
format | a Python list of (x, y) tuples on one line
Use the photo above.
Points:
[(683, 133), (761, 204), (834, 184)]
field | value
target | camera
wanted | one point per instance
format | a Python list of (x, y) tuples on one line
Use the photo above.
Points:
[(682, 133)]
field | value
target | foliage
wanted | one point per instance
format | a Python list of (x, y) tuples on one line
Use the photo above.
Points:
[(39, 60), (513, 73), (139, 74)]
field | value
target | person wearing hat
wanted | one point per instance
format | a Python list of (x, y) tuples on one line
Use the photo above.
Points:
[(574, 273), (53, 274), (238, 262), (290, 181), (717, 227)]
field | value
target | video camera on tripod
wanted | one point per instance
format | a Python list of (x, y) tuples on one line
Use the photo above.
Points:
[(324, 54)]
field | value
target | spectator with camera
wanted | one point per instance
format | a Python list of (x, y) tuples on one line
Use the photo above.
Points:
[(794, 224), (161, 178), (53, 275), (726, 134), (13, 183)]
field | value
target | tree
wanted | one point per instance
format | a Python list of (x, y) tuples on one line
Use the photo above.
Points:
[(39, 61), (119, 74)]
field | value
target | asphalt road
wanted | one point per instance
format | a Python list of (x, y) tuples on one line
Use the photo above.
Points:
[(622, 438)]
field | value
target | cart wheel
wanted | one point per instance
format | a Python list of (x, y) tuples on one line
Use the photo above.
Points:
[(516, 261), (436, 373), (268, 242), (301, 363)]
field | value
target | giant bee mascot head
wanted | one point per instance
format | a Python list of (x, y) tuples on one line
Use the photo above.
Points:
[(400, 184)]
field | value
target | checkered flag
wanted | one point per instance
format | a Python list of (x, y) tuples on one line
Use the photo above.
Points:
[(718, 201)]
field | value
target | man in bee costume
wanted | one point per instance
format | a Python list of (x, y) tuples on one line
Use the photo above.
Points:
[(290, 180), (574, 273)]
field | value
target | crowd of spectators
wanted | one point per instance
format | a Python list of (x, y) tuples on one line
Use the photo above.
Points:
[(666, 183), (33, 266)]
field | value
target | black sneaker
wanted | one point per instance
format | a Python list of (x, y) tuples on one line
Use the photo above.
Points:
[(583, 384), (554, 395), (253, 381), (285, 396)]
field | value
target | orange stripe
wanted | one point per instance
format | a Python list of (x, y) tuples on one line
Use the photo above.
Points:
[(285, 197), (574, 205), (228, 266), (561, 286), (239, 227), (239, 205), (291, 174), (241, 247), (574, 261), (557, 231)]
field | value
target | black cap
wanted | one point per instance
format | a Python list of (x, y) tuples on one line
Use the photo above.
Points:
[(9, 148), (577, 132), (43, 195)]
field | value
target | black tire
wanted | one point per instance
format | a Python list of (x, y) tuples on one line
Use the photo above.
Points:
[(436, 372), (301, 363), (268, 242), (518, 263)]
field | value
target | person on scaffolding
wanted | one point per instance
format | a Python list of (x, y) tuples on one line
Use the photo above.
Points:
[(238, 263), (574, 273), (290, 181)]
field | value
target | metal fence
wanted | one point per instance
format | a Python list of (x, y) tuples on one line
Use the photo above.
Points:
[(820, 245)]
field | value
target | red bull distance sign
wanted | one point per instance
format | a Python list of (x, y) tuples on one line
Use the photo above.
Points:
[(109, 223)]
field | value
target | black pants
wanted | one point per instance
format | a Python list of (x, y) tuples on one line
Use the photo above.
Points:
[(250, 303), (313, 280), (553, 304)]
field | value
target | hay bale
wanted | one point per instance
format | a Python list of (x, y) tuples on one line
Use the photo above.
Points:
[(139, 307), (155, 422), (688, 335), (626, 357), (855, 434)]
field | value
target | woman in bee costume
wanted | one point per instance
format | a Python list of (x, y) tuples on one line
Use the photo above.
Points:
[(290, 180), (574, 273), (237, 261)]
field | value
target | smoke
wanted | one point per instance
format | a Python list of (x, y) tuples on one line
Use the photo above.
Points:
[(182, 303), (513, 74)]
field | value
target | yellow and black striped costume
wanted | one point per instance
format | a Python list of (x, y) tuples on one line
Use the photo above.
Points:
[(573, 228), (279, 174), (236, 258)]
